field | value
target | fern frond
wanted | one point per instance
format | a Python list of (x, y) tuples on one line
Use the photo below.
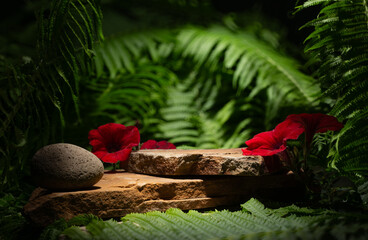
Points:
[(129, 98), (65, 46), (255, 70), (23, 112), (204, 228), (189, 113), (114, 230), (123, 53), (257, 222), (77, 233), (237, 220), (34, 97), (145, 221), (363, 191), (339, 43), (248, 58), (351, 146), (181, 229), (262, 215), (187, 121)]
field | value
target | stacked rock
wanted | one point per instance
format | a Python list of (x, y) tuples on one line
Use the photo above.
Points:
[(64, 166)]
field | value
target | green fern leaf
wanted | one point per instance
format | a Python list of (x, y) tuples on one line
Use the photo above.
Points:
[(339, 42), (76, 233), (35, 101), (254, 222), (122, 53), (251, 55)]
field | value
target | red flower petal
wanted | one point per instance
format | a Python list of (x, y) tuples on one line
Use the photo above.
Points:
[(263, 151), (109, 131), (315, 123), (113, 142), (152, 144), (165, 145), (100, 154), (114, 157), (328, 123), (272, 142), (94, 134), (123, 155), (129, 137), (289, 130), (97, 145), (265, 140)]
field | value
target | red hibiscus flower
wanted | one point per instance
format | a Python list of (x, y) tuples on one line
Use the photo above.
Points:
[(113, 142), (315, 123), (152, 144), (273, 142)]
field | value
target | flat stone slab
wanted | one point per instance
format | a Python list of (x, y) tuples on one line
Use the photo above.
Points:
[(175, 162), (120, 193)]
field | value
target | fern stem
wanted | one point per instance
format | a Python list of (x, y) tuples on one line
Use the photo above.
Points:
[(366, 11)]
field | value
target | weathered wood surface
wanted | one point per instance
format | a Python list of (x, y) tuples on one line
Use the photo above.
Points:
[(175, 162), (120, 193)]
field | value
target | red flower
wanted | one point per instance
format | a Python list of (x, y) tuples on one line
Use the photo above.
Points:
[(273, 142), (152, 144), (113, 142), (315, 123)]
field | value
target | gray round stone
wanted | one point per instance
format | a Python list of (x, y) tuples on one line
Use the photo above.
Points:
[(64, 166)]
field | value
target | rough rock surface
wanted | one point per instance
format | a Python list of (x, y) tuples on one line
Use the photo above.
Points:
[(120, 193), (173, 162), (64, 166)]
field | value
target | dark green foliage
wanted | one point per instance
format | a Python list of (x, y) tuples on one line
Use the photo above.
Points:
[(23, 115), (351, 146), (53, 231), (339, 47), (13, 225), (130, 99), (121, 54), (253, 222), (35, 95), (236, 84), (122, 16), (212, 84), (202, 88), (248, 59), (152, 77), (363, 191), (11, 221)]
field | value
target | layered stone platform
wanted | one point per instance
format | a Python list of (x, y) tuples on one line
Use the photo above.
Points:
[(175, 162), (120, 193)]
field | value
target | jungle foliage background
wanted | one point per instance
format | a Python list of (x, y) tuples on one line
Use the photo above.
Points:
[(200, 74)]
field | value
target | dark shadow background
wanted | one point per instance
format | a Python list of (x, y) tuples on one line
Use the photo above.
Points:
[(18, 21)]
